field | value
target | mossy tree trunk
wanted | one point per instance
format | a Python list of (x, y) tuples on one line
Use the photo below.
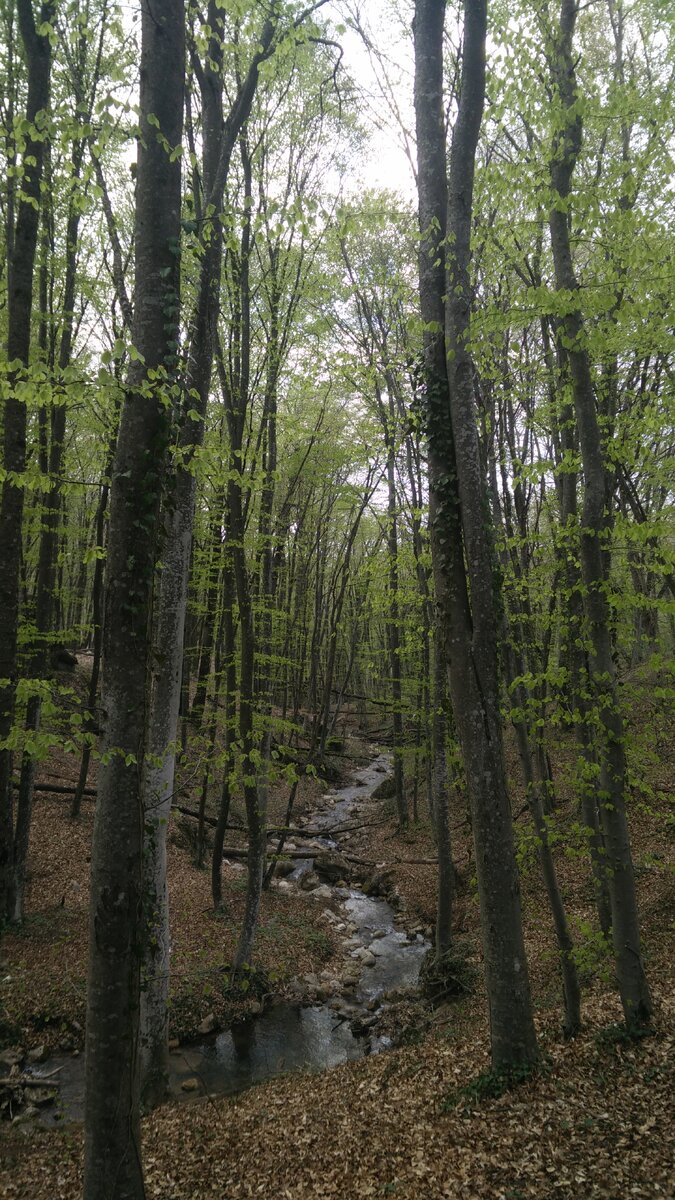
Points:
[(459, 511)]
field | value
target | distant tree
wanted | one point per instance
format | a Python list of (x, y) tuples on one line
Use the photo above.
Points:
[(596, 526)]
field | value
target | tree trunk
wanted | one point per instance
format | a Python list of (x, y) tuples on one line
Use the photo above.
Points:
[(113, 1165), (220, 138), (47, 602), (595, 534), (230, 704), (19, 307), (459, 512)]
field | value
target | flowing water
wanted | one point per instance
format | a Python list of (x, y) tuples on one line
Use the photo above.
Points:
[(288, 1037)]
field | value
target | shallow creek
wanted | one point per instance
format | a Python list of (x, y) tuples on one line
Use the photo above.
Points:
[(291, 1037)]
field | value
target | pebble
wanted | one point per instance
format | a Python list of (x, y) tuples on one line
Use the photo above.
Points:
[(12, 1056), (322, 892)]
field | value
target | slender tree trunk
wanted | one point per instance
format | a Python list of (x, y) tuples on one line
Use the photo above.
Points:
[(47, 603), (439, 774), (518, 634), (97, 626), (394, 628), (113, 1165), (595, 535), (230, 672), (210, 621), (19, 308), (537, 784)]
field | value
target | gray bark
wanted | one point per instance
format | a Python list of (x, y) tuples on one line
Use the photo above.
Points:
[(460, 515), (220, 137), (113, 1165)]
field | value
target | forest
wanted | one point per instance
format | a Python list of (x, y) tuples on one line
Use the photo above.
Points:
[(337, 599)]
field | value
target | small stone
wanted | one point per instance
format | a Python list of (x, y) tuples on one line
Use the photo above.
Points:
[(12, 1056), (347, 1011), (351, 973), (38, 1055), (322, 892), (208, 1025), (190, 1085), (309, 881), (174, 1044), (27, 1115), (379, 933), (368, 959)]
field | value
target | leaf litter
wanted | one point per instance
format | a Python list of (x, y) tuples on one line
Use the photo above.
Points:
[(595, 1123)]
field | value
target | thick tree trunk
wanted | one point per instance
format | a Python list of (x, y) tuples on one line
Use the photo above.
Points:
[(220, 138), (459, 512), (113, 1166), (595, 548)]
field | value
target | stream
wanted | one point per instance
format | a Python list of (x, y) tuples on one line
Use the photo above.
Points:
[(292, 1036)]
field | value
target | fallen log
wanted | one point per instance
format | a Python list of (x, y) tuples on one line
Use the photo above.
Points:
[(58, 789), (15, 1081), (289, 829)]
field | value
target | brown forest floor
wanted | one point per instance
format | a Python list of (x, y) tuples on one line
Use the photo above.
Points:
[(595, 1123)]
